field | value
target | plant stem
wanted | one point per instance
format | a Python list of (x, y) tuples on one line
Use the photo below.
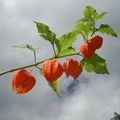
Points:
[(35, 64), (85, 39), (35, 59), (92, 33), (94, 29), (54, 49), (34, 56)]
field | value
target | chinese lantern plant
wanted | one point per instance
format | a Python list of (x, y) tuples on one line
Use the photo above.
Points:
[(62, 46)]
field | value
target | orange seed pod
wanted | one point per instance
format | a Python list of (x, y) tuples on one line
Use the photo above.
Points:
[(87, 49), (96, 41), (52, 70), (72, 67), (22, 82)]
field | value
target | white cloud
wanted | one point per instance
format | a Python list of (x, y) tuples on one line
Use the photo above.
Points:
[(98, 100)]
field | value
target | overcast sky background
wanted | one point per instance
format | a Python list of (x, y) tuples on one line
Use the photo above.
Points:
[(93, 97)]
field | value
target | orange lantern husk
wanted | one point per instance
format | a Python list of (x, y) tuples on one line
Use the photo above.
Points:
[(87, 49), (22, 82), (72, 67), (52, 70), (96, 41)]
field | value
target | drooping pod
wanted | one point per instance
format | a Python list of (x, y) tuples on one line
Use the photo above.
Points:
[(87, 49), (96, 41), (22, 82), (72, 67), (52, 70)]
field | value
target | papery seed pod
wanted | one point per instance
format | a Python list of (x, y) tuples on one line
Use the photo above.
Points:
[(87, 49), (22, 82), (52, 70), (96, 41), (72, 67)]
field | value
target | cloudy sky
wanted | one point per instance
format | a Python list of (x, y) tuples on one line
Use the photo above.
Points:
[(93, 97)]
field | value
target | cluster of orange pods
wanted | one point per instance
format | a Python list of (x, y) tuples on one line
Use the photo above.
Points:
[(88, 47), (23, 81)]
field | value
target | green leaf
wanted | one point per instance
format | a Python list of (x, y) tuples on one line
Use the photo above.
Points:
[(84, 28), (65, 41), (45, 32), (55, 87), (107, 29), (68, 51), (96, 64), (100, 16), (82, 20), (87, 65), (90, 13), (28, 46)]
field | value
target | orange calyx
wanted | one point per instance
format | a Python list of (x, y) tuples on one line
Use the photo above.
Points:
[(72, 67), (22, 82), (96, 41), (87, 49), (52, 70)]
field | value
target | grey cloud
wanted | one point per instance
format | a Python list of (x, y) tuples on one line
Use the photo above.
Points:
[(97, 99)]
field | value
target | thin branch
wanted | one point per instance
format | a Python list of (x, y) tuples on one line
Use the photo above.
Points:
[(35, 64), (35, 61), (54, 49), (27, 66), (85, 39), (94, 29), (34, 56), (93, 33)]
